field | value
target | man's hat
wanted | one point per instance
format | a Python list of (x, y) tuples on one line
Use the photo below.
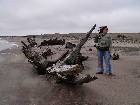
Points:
[(102, 28)]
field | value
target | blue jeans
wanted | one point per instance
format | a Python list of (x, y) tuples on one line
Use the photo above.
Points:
[(106, 56)]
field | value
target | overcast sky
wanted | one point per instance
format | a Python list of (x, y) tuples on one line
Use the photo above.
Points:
[(22, 17)]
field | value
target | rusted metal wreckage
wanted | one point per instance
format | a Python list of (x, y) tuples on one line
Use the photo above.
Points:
[(65, 66)]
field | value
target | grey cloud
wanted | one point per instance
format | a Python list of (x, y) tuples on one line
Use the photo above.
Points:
[(49, 16)]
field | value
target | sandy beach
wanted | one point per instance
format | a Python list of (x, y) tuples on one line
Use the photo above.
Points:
[(20, 85)]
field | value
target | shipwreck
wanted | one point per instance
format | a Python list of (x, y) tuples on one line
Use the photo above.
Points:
[(63, 66)]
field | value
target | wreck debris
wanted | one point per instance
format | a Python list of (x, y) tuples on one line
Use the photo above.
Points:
[(66, 68), (90, 49), (75, 57), (31, 41), (70, 45), (48, 52), (115, 56), (53, 42), (70, 74)]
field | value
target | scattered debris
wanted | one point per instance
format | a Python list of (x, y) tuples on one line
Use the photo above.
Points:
[(70, 45), (90, 49), (115, 56)]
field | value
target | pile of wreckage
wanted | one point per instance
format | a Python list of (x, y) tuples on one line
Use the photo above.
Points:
[(63, 66)]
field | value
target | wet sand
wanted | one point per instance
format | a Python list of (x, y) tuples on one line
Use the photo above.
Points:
[(20, 85)]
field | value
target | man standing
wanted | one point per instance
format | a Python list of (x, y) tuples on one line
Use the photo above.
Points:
[(103, 44)]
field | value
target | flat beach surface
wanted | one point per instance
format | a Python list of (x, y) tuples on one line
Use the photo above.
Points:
[(20, 85)]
